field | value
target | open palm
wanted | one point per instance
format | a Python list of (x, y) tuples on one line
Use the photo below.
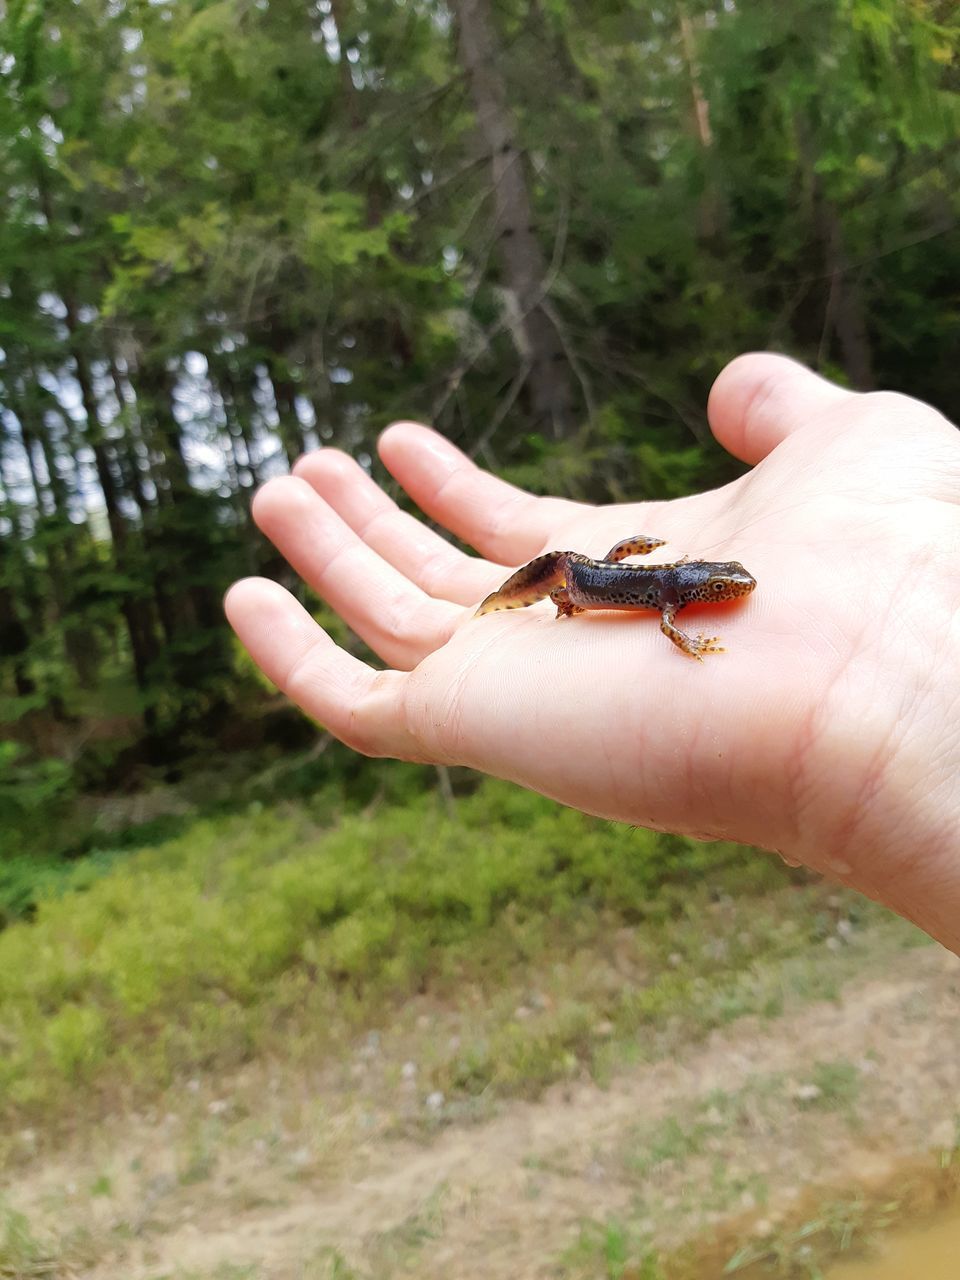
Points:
[(828, 731)]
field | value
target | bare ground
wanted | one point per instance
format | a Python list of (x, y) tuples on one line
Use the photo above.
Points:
[(283, 1178)]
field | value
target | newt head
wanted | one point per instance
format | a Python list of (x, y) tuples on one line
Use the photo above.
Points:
[(728, 581)]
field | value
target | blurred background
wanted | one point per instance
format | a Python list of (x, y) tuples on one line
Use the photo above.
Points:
[(270, 1009)]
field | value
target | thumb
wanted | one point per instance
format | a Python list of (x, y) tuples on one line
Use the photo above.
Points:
[(760, 399)]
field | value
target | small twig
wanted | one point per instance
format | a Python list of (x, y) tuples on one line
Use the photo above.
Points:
[(502, 410), (559, 245), (445, 787), (828, 319), (550, 311), (458, 173)]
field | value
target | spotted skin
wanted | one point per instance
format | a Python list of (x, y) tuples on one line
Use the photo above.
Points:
[(638, 546), (529, 584), (575, 583)]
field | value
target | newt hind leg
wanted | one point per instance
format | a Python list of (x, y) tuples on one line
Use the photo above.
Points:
[(565, 608), (639, 545), (528, 585)]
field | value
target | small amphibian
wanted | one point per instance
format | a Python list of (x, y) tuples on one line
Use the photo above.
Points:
[(576, 583)]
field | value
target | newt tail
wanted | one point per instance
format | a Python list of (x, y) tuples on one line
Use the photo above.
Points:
[(528, 585), (547, 575)]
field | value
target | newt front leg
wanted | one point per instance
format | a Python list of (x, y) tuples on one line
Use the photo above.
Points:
[(697, 646)]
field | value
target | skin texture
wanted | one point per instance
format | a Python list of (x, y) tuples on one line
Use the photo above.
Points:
[(576, 583), (830, 731)]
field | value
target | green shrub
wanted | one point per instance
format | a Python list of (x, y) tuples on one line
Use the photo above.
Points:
[(33, 795), (29, 786), (25, 880), (196, 952)]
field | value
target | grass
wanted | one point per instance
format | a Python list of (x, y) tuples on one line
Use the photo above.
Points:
[(21, 1253), (610, 1251), (419, 951), (273, 933), (398, 1248), (242, 932), (689, 1152), (837, 1084), (706, 1128), (825, 1225), (24, 1255), (227, 1271), (672, 1140), (392, 1253), (825, 1229), (799, 1252)]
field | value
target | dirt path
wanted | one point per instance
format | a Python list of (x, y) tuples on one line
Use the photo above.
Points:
[(835, 1092)]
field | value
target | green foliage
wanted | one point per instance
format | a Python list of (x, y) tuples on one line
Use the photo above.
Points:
[(24, 1255), (271, 932), (840, 1227), (213, 280), (33, 800), (198, 951), (227, 287), (29, 787), (672, 1140), (610, 1250), (21, 1254), (837, 1084), (23, 880)]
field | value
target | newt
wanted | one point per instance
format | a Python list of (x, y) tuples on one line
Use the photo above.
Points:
[(575, 583)]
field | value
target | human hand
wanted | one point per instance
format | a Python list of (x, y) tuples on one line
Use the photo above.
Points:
[(829, 731)]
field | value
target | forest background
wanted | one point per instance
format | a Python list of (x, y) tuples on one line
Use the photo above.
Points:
[(237, 230)]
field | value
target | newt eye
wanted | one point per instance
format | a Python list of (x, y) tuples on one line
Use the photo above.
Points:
[(719, 586)]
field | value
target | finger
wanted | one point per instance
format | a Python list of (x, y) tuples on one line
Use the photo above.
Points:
[(441, 570), (502, 522), (760, 399), (395, 618), (360, 706)]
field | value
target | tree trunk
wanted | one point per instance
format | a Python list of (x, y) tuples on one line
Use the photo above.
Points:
[(236, 411), (139, 625), (79, 643), (23, 399), (376, 192), (288, 424), (844, 311), (154, 390), (524, 266), (131, 437), (564, 65), (848, 312), (30, 595), (701, 109), (182, 542), (710, 212), (14, 637)]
